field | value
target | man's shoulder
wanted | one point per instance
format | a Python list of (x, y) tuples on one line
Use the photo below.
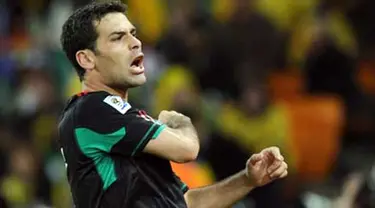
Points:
[(93, 103), (84, 99), (87, 100), (101, 107)]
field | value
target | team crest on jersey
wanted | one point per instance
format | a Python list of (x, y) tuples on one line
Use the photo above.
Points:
[(117, 103)]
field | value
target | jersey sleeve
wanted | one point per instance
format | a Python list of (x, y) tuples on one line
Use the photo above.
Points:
[(183, 187), (141, 128), (108, 124)]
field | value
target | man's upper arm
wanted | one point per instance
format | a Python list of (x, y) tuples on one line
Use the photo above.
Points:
[(108, 124)]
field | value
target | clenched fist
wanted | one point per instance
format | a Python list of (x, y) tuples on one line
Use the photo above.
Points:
[(266, 166), (173, 119)]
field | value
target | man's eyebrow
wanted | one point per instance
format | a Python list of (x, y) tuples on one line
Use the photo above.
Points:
[(118, 33)]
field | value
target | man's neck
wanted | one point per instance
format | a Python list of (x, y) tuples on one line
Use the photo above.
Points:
[(101, 87)]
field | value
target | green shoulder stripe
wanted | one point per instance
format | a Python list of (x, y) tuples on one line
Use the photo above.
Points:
[(94, 145)]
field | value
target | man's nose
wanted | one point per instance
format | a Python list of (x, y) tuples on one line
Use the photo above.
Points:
[(135, 44)]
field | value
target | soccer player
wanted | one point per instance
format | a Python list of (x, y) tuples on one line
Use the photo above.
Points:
[(117, 155)]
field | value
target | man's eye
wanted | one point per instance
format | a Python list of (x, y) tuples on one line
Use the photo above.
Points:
[(117, 38)]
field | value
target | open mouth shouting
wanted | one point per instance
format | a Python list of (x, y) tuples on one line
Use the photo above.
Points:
[(137, 65)]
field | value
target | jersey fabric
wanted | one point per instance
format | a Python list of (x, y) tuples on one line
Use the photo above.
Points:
[(102, 138)]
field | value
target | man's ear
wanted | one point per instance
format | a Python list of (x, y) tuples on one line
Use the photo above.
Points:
[(86, 59)]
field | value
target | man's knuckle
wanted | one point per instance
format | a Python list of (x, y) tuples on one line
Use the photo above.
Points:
[(164, 113), (274, 148), (286, 165)]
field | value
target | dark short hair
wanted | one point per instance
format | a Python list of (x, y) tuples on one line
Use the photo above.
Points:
[(79, 31)]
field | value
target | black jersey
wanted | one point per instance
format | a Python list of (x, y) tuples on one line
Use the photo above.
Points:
[(101, 139)]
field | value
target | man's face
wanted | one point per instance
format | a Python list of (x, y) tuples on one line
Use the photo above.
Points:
[(119, 57)]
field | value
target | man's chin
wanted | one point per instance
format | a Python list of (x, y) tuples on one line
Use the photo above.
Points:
[(131, 82), (134, 85), (137, 83), (128, 85)]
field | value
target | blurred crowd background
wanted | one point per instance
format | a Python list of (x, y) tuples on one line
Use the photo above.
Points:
[(298, 74)]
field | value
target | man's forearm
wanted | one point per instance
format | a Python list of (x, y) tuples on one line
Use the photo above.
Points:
[(178, 142), (182, 126), (186, 130), (220, 195)]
